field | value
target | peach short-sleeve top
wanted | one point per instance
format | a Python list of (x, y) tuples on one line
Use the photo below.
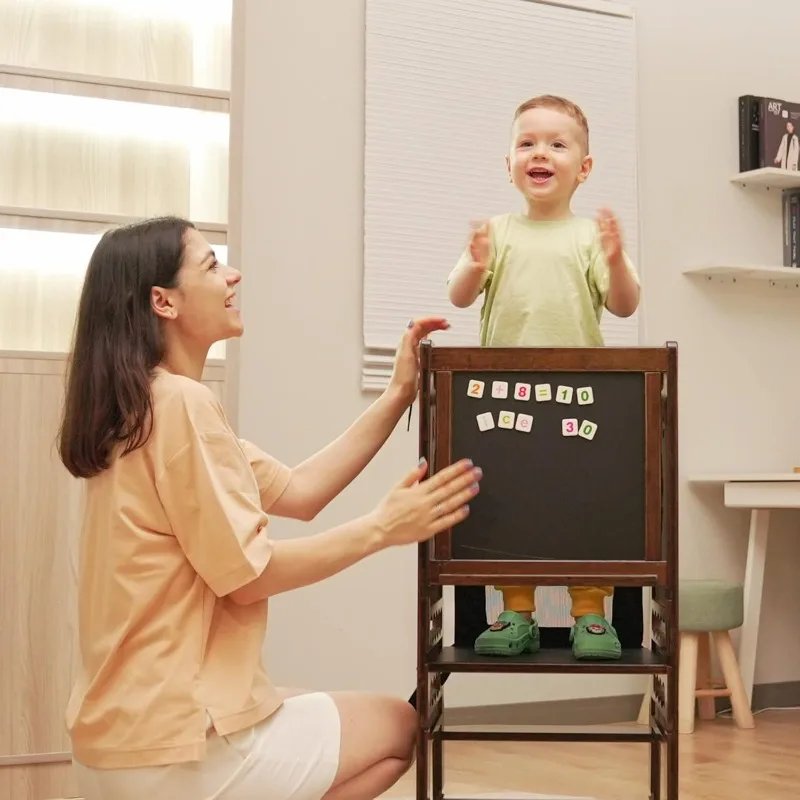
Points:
[(168, 531)]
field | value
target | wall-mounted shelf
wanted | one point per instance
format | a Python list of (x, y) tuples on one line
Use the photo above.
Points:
[(769, 178), (61, 221), (733, 273), (105, 88)]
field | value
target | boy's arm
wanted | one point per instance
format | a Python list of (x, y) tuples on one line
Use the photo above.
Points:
[(473, 270), (614, 274), (623, 287)]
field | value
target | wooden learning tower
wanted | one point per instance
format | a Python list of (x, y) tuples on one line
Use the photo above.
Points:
[(598, 508)]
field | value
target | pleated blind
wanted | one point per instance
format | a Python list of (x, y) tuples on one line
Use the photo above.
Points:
[(443, 78)]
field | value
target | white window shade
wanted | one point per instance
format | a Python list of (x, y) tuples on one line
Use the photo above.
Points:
[(443, 78)]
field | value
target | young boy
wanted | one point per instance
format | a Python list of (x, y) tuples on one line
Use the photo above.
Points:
[(546, 276)]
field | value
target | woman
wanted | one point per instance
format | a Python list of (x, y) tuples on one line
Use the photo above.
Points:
[(176, 560)]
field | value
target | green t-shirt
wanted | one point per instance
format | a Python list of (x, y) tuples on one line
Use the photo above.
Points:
[(546, 284)]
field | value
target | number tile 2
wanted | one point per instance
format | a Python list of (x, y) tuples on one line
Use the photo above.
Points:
[(475, 389), (585, 396), (587, 429), (485, 421), (569, 427)]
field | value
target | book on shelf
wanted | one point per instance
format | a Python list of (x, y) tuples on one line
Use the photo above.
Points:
[(769, 133), (791, 226)]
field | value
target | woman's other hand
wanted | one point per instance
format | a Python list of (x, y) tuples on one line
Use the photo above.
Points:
[(416, 510), (405, 376)]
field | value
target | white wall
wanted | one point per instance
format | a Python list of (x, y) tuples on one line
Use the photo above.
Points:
[(738, 359), (301, 201)]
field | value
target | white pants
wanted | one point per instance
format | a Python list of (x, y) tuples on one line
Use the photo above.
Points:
[(292, 755)]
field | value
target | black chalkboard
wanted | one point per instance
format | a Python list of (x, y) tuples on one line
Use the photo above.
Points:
[(544, 495)]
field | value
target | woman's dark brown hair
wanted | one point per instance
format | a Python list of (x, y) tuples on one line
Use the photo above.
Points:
[(117, 343)]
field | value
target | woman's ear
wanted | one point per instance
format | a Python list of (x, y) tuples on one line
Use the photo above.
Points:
[(161, 303)]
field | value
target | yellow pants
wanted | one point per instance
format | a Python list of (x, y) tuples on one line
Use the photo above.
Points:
[(585, 599)]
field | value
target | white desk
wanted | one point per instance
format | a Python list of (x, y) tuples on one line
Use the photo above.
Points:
[(759, 492)]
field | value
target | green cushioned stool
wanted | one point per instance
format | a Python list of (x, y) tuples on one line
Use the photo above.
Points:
[(708, 610)]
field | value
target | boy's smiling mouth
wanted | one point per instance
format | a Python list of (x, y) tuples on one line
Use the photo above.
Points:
[(540, 174)]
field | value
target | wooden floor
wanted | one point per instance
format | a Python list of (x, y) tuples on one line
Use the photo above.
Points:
[(718, 762)]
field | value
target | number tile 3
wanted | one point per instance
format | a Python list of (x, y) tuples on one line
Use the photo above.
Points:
[(569, 427)]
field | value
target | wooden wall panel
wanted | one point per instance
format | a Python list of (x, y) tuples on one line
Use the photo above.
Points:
[(110, 40), (87, 171), (42, 275), (40, 505)]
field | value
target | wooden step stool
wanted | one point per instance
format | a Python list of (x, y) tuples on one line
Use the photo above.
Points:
[(708, 611)]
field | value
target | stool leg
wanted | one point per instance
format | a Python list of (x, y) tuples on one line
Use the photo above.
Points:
[(733, 679), (705, 705), (644, 710), (687, 681)]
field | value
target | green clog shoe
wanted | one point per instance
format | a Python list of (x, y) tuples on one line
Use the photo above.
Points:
[(594, 638), (511, 635)]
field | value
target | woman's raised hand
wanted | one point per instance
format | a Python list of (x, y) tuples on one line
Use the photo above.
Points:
[(416, 510), (406, 363)]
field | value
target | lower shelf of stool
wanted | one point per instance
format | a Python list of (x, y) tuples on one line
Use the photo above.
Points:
[(525, 733), (464, 659)]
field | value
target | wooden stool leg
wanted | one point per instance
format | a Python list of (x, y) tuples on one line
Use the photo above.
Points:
[(644, 710), (733, 679), (706, 708), (687, 681)]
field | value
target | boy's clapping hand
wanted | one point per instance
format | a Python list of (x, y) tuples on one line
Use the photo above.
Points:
[(610, 235), (479, 245)]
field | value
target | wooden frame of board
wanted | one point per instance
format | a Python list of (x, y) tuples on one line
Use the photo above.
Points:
[(625, 487)]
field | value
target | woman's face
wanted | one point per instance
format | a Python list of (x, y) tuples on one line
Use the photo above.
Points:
[(201, 308)]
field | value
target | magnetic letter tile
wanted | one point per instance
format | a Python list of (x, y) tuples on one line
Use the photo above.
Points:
[(500, 390), (564, 394), (506, 420), (524, 423), (543, 392), (522, 391), (475, 389), (485, 421), (569, 427)]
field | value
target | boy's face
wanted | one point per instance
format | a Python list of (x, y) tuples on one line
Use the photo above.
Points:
[(548, 158)]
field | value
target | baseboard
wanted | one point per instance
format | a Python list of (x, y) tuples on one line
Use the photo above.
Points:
[(600, 710), (770, 695)]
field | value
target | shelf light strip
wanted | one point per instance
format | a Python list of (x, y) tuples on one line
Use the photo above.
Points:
[(54, 252), (19, 107)]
